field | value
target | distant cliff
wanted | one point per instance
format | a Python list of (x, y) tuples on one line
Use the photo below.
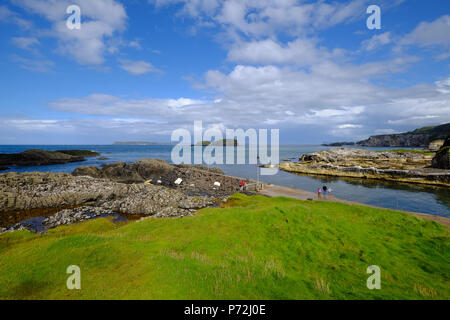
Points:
[(417, 138)]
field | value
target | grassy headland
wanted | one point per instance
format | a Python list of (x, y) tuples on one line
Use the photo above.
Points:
[(254, 248)]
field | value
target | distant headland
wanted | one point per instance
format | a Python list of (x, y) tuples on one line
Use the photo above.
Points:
[(422, 137)]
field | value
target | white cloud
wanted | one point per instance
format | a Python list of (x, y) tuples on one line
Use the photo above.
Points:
[(266, 17), (36, 65), (377, 41), (350, 126), (7, 15), (303, 52), (137, 67), (101, 19), (25, 43), (261, 96), (435, 33)]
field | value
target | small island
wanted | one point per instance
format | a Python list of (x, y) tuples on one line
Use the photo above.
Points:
[(222, 142)]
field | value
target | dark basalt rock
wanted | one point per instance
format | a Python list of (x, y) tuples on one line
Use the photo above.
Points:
[(36, 157), (80, 153), (442, 158), (90, 171), (136, 172)]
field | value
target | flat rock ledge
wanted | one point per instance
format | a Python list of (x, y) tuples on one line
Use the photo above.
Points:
[(354, 163)]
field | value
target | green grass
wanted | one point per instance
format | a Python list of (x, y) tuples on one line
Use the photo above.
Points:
[(418, 151), (256, 248)]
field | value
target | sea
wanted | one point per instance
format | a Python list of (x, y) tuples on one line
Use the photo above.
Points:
[(392, 195)]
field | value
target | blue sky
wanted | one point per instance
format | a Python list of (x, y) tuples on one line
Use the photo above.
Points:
[(137, 70)]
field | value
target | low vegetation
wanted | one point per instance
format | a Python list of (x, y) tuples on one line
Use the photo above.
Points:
[(253, 248)]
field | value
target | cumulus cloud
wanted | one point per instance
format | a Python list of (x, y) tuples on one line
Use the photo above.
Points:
[(262, 18), (250, 96)]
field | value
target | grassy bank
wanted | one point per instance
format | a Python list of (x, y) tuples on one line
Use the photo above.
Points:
[(256, 248)]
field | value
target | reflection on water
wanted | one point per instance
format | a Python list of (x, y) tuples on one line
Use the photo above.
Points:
[(409, 197)]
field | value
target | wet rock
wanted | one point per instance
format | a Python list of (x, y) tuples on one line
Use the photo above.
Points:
[(3, 168), (67, 217)]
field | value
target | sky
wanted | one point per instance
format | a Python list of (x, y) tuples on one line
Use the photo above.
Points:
[(137, 70)]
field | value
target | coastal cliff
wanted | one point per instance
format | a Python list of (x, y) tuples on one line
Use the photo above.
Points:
[(427, 137), (418, 138)]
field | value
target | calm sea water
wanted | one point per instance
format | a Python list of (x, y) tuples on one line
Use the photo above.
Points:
[(408, 197)]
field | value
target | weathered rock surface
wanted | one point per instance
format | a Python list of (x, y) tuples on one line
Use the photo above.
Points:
[(442, 158), (90, 192), (435, 145), (36, 157), (196, 179), (200, 180), (395, 166), (397, 140), (136, 172), (24, 191), (381, 160)]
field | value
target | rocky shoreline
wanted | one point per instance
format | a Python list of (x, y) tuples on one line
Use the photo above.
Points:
[(406, 167), (153, 188)]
